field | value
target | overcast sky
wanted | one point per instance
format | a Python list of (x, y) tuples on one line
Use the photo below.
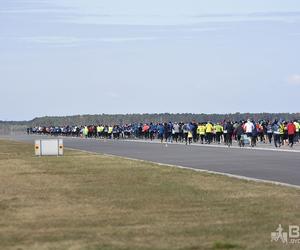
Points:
[(64, 57)]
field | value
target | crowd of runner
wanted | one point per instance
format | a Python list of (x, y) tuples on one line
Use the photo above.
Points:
[(244, 132)]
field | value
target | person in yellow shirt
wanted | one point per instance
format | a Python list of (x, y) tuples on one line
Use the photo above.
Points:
[(282, 129), (219, 132), (198, 131), (297, 125), (110, 130), (190, 136), (209, 132), (201, 132), (85, 131), (100, 130)]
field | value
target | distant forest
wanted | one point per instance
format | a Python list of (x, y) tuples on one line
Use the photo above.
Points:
[(139, 118)]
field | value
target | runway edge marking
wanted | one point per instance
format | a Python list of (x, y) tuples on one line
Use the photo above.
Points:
[(219, 146), (240, 177), (257, 148)]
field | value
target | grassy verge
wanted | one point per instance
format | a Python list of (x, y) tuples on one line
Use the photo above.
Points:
[(88, 201)]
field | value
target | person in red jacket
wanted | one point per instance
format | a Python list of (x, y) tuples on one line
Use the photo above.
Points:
[(291, 128)]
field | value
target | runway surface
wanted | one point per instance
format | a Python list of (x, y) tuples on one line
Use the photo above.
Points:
[(260, 164)]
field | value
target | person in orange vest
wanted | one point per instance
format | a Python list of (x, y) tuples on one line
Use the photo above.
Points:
[(291, 129)]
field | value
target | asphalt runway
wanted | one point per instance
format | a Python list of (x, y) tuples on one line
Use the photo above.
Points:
[(259, 164)]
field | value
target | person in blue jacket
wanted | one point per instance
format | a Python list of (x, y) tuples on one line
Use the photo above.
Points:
[(152, 131), (161, 131), (170, 134)]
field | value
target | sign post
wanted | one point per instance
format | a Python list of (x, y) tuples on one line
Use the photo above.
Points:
[(53, 147)]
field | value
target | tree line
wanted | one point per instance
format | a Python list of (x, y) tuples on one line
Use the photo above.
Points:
[(140, 118)]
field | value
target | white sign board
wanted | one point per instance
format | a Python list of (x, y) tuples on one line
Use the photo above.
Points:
[(49, 147)]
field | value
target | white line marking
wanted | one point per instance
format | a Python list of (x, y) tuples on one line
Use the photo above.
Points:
[(180, 143), (218, 146)]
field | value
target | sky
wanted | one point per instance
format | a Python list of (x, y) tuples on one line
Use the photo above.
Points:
[(67, 57)]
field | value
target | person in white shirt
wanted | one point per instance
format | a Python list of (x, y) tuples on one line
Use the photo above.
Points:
[(249, 126)]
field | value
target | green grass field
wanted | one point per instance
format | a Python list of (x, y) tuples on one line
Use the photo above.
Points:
[(88, 201)]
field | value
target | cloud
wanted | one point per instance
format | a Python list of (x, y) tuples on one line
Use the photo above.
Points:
[(294, 79), (54, 41), (206, 29), (290, 17), (136, 12), (76, 41), (31, 11), (124, 39)]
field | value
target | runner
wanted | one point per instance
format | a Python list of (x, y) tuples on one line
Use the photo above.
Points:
[(176, 131), (239, 131), (281, 132), (249, 127), (161, 131), (219, 132), (209, 132), (254, 135), (201, 132), (229, 128), (291, 128), (269, 132)]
